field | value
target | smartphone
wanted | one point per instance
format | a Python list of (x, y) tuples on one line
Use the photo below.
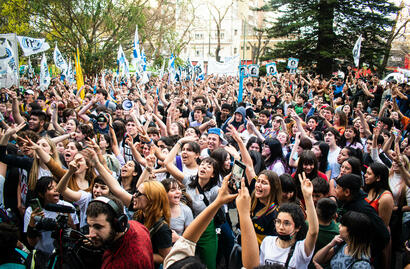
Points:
[(238, 172), (35, 203)]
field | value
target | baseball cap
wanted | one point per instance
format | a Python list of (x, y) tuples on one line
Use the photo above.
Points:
[(350, 181), (29, 92), (218, 132)]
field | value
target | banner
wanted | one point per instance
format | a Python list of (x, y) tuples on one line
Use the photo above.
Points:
[(9, 61), (79, 74), (136, 55), (59, 61), (44, 74), (243, 70), (253, 70), (356, 51), (199, 71), (293, 63), (31, 45), (70, 72), (171, 69), (229, 68), (271, 69)]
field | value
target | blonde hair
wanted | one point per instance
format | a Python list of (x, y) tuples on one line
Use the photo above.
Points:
[(158, 204), (33, 176)]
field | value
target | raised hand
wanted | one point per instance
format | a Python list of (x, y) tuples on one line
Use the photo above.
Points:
[(234, 133), (224, 196), (306, 185), (243, 201), (16, 128), (91, 155)]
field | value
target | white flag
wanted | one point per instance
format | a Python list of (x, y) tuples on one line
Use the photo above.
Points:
[(103, 79), (356, 51), (70, 72), (8, 67), (44, 74), (136, 54), (59, 61), (31, 45)]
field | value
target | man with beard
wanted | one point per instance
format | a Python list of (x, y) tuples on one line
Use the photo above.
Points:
[(127, 244)]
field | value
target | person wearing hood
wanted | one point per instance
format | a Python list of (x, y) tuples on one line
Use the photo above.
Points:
[(238, 120), (351, 198)]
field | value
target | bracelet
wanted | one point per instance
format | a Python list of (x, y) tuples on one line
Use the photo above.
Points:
[(179, 143), (148, 142)]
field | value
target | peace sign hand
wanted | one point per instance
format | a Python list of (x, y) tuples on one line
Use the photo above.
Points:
[(306, 185)]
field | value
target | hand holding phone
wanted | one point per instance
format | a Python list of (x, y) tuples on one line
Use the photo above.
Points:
[(238, 172), (34, 204)]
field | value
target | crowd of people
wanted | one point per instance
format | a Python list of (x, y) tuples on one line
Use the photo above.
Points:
[(142, 175)]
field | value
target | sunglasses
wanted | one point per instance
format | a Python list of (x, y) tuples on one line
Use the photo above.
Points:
[(137, 194)]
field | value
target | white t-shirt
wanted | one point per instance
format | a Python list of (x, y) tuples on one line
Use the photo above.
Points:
[(46, 242), (271, 253), (333, 164), (85, 199)]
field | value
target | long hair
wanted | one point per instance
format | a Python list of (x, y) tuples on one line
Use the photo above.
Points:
[(138, 170), (356, 165), (252, 140), (342, 118), (213, 181), (33, 176), (379, 170), (276, 152), (324, 152), (307, 157), (356, 138), (275, 194), (257, 160), (42, 187), (220, 156), (359, 237), (170, 183), (158, 204)]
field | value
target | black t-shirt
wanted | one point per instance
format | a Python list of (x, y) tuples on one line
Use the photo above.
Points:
[(265, 224), (161, 238)]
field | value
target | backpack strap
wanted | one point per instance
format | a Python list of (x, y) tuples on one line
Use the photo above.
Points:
[(290, 254), (356, 261), (156, 227)]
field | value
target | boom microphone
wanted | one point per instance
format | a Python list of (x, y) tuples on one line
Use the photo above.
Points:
[(59, 208)]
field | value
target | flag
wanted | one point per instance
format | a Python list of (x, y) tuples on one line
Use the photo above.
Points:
[(59, 61), (79, 74), (9, 73), (30, 70), (136, 55), (44, 74), (31, 45), (161, 72), (103, 79), (70, 73), (144, 60), (171, 69), (199, 70), (356, 51)]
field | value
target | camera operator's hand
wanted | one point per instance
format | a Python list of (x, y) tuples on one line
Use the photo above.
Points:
[(38, 212)]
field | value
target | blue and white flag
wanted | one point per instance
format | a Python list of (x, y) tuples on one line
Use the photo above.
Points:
[(31, 45), (171, 69), (356, 51), (144, 60), (161, 72), (30, 70), (123, 65), (70, 72), (9, 73), (59, 61), (189, 70), (44, 74), (271, 69), (136, 55)]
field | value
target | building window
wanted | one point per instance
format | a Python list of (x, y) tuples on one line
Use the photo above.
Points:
[(222, 35), (247, 48), (199, 36), (235, 32), (235, 50), (197, 53)]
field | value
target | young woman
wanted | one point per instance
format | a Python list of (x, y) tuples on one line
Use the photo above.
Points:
[(288, 188), (203, 189), (351, 248), (187, 162), (273, 154), (321, 150), (45, 191), (351, 138), (150, 202), (224, 161), (283, 138), (331, 138), (378, 191), (254, 143), (292, 234), (181, 214), (81, 198), (340, 121), (105, 143)]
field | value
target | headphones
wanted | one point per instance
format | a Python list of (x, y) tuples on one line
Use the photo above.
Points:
[(120, 219)]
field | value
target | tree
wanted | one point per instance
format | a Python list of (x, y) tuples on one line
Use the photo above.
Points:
[(218, 15), (12, 21), (96, 27), (319, 31), (259, 47)]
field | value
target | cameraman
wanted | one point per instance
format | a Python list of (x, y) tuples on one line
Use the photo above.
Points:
[(46, 192), (126, 244)]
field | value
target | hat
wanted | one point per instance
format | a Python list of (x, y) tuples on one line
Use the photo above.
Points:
[(350, 181), (101, 118), (29, 92), (268, 105), (308, 105), (220, 133)]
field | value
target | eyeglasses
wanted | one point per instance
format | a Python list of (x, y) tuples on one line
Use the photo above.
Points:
[(285, 223)]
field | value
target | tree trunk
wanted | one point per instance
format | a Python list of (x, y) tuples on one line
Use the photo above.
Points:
[(326, 37), (218, 45)]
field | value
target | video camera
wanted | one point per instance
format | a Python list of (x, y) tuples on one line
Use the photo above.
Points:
[(70, 248)]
